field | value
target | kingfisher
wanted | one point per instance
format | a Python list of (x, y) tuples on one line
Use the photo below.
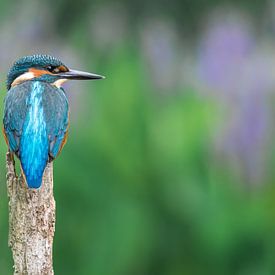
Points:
[(36, 112)]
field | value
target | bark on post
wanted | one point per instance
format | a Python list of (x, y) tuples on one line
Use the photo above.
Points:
[(31, 222)]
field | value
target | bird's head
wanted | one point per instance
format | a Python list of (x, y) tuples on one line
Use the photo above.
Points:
[(44, 68)]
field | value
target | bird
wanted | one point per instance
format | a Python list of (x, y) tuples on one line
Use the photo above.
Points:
[(36, 112)]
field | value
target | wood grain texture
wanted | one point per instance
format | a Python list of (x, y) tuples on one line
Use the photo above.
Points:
[(31, 222)]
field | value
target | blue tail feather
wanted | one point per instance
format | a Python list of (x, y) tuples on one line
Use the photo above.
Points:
[(34, 157)]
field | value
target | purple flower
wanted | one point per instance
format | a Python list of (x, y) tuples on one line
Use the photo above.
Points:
[(241, 73)]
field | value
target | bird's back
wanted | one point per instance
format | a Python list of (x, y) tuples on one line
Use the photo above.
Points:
[(35, 123)]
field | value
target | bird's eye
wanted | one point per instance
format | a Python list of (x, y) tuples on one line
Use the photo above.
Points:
[(52, 69)]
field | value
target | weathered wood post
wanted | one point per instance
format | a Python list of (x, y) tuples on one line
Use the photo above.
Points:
[(31, 222)]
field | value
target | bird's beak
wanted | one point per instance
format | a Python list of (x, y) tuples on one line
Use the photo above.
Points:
[(79, 75)]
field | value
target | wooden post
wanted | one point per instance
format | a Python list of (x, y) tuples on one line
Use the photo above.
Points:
[(31, 222)]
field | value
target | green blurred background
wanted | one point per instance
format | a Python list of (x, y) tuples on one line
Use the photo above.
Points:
[(169, 165)]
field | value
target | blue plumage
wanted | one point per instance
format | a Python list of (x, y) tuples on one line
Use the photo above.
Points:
[(36, 113), (34, 140), (36, 122)]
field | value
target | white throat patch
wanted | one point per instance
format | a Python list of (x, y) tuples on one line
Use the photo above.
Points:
[(59, 82)]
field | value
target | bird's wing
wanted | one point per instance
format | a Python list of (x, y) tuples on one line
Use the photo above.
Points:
[(56, 112), (14, 115)]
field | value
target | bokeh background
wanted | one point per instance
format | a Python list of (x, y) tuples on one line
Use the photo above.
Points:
[(169, 166)]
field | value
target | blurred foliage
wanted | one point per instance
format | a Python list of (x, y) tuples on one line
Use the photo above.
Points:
[(140, 188), (187, 13)]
